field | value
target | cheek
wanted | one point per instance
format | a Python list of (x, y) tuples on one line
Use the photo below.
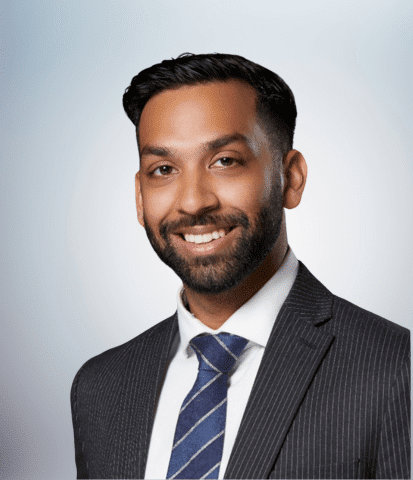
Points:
[(156, 205), (269, 177), (246, 194)]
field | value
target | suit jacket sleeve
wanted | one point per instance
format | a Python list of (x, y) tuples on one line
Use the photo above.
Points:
[(81, 463), (394, 451)]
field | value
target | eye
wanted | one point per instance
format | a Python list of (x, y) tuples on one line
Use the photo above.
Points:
[(225, 162), (162, 171)]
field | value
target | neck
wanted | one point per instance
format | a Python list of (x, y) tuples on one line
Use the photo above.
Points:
[(213, 310)]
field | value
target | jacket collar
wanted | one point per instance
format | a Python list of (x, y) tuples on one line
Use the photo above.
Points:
[(309, 298)]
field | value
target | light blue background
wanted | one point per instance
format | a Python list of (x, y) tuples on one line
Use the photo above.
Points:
[(77, 273)]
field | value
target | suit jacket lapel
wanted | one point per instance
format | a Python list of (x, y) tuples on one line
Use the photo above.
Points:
[(130, 431), (293, 354)]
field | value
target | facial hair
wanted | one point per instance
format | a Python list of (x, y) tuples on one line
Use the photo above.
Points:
[(217, 273)]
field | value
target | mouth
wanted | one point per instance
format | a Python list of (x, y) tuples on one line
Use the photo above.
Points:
[(205, 237), (201, 240)]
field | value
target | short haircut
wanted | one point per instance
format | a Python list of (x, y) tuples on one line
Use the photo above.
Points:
[(274, 102)]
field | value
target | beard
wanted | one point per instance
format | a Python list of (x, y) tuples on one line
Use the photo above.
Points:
[(217, 273)]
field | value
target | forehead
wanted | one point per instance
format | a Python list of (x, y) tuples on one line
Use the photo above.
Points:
[(197, 113)]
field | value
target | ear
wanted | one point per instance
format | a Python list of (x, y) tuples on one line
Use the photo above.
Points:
[(295, 171), (139, 201)]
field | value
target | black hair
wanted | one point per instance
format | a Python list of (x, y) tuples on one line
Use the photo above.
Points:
[(274, 102)]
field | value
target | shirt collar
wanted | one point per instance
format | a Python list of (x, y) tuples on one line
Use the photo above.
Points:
[(263, 308)]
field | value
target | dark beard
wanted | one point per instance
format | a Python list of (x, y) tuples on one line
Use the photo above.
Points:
[(220, 272)]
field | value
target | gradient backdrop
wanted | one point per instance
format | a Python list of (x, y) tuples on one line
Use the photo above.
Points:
[(77, 273)]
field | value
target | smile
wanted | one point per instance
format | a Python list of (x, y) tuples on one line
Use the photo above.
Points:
[(205, 238), (205, 243)]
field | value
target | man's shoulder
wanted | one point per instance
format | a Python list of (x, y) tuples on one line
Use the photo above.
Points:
[(314, 299), (359, 319), (364, 334), (110, 364), (358, 332)]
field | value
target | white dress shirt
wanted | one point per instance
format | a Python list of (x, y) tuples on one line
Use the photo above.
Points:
[(253, 321)]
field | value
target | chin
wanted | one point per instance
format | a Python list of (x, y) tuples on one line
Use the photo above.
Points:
[(217, 274)]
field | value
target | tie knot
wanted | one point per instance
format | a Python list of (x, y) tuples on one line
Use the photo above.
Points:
[(218, 352)]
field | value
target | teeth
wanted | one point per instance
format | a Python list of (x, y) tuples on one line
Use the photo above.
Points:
[(205, 238)]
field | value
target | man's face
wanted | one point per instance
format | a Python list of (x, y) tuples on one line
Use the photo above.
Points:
[(209, 188)]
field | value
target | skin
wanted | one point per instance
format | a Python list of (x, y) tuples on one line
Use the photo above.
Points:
[(183, 176)]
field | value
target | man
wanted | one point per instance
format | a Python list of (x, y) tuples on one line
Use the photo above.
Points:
[(261, 372)]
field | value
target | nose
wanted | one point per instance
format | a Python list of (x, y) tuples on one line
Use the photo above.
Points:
[(197, 195)]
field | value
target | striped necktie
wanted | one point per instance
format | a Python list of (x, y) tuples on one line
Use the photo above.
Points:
[(199, 434)]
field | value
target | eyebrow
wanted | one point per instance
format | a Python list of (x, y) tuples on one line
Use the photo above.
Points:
[(209, 146)]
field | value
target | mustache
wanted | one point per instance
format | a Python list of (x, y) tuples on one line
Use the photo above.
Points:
[(221, 221)]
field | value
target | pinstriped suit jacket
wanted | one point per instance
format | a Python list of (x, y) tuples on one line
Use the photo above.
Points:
[(331, 397)]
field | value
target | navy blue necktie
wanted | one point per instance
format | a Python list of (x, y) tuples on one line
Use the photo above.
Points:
[(199, 435)]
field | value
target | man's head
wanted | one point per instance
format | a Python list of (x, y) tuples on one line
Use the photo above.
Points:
[(209, 190)]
